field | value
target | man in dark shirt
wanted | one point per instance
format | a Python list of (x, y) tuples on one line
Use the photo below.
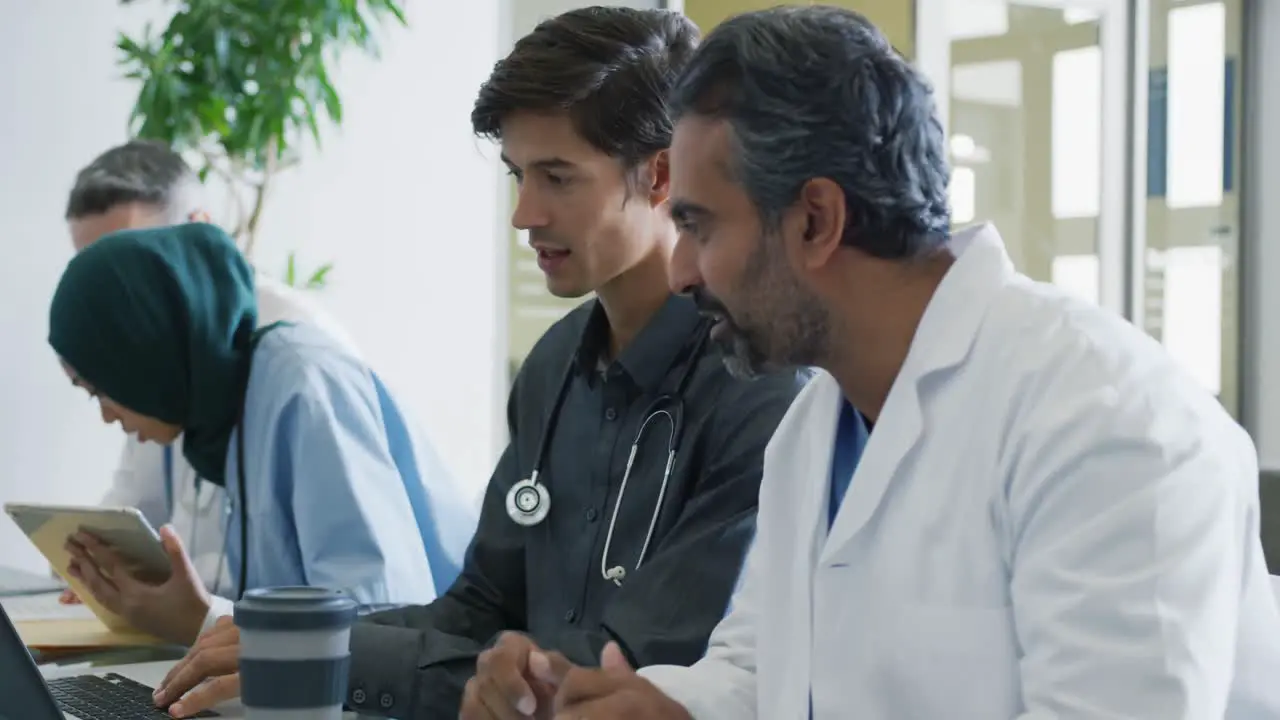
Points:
[(637, 548)]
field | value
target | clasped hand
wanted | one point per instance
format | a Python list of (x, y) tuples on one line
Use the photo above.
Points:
[(172, 609), (517, 680)]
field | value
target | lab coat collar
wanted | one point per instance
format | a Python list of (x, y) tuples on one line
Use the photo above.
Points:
[(649, 357), (950, 322), (942, 341)]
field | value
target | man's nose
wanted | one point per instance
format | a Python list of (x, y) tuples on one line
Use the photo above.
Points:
[(682, 273), (529, 211)]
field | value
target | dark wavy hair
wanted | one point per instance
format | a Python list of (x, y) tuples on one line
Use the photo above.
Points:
[(610, 68), (814, 91)]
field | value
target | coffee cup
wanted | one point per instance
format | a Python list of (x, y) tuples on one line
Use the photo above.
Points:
[(294, 652)]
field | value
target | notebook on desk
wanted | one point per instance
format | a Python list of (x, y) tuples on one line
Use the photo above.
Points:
[(45, 624)]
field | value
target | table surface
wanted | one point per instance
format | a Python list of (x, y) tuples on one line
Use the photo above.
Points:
[(108, 656)]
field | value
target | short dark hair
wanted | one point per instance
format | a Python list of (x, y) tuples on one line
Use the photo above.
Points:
[(139, 171), (814, 91), (609, 68)]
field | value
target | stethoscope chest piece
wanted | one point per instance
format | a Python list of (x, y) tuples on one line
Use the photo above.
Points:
[(528, 502)]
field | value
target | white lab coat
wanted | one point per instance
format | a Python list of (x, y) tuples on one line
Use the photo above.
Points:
[(199, 511), (1050, 520)]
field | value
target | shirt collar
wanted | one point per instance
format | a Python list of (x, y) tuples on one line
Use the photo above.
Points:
[(649, 357)]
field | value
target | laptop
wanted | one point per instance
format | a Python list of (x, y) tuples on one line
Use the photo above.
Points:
[(26, 695)]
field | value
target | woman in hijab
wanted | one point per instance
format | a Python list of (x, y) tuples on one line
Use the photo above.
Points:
[(160, 326)]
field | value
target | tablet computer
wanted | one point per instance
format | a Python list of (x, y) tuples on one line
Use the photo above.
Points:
[(126, 529)]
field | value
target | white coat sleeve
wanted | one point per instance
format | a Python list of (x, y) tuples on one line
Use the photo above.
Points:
[(722, 685), (139, 482), (1127, 518), (219, 607)]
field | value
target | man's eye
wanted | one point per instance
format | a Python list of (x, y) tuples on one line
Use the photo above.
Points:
[(557, 180)]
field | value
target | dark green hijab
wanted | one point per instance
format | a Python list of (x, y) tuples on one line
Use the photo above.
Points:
[(162, 321)]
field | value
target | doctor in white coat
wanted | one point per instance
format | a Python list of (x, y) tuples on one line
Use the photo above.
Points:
[(145, 184), (1045, 517)]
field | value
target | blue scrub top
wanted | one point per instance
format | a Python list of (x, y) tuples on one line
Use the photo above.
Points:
[(343, 491), (851, 438), (852, 434)]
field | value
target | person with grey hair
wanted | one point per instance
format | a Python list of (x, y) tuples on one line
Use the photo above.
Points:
[(143, 184), (1051, 519)]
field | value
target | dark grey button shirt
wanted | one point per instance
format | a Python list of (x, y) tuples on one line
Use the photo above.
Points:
[(548, 580)]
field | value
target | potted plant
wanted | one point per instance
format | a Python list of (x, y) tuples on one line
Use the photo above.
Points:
[(240, 85)]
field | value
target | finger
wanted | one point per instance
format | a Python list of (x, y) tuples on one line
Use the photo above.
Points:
[(216, 690), (166, 690), (89, 541), (546, 694), (497, 704), (581, 685), (179, 561), (549, 667), (101, 588), (102, 554), (69, 597), (113, 567), (77, 550), (502, 674), (223, 635), (197, 668), (604, 708), (170, 689), (472, 706), (614, 661)]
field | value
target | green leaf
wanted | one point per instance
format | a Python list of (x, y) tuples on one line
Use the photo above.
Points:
[(319, 278), (396, 11)]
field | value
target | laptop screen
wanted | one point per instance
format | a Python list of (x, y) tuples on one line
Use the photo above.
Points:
[(23, 694)]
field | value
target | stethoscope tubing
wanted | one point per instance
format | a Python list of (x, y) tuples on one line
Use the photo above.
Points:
[(669, 406)]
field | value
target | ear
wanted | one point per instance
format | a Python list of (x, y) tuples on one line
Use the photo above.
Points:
[(199, 216), (658, 178), (821, 214)]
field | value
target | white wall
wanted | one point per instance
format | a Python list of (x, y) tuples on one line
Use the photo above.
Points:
[(1261, 305), (402, 200)]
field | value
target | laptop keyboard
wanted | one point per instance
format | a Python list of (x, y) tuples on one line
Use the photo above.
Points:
[(107, 697)]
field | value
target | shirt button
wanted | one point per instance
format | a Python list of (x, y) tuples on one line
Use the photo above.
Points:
[(386, 701), (358, 697), (591, 515), (610, 414), (571, 616)]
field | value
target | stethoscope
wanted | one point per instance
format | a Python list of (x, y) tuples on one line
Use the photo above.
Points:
[(529, 501), (198, 506)]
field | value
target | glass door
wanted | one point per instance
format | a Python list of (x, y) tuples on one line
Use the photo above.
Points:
[(1189, 284), (1036, 96)]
